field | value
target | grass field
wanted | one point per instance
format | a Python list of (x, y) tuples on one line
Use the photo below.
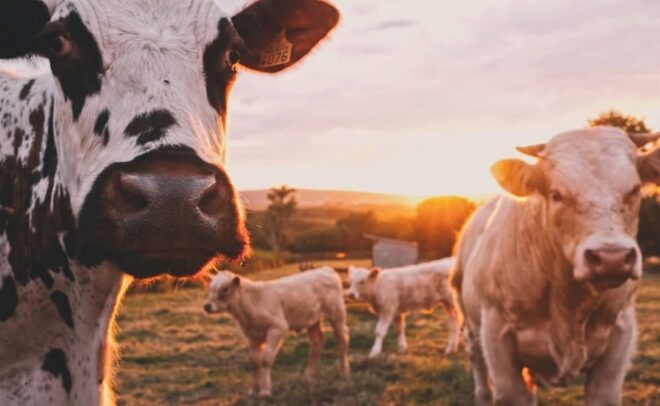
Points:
[(173, 354)]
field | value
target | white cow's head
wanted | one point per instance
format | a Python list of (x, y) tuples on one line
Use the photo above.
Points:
[(140, 111), (588, 184), (223, 287), (361, 282)]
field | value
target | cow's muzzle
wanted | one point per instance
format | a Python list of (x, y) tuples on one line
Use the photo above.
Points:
[(610, 266), (165, 212)]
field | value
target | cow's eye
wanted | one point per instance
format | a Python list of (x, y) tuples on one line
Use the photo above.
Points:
[(556, 197), (634, 192), (55, 42), (234, 57)]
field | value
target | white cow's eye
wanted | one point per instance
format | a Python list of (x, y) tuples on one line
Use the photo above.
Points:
[(634, 192), (556, 197)]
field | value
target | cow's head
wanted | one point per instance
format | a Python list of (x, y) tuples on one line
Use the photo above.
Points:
[(361, 282), (223, 287), (588, 184), (140, 113)]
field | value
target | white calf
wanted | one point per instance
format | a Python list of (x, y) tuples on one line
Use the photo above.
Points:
[(267, 311), (391, 293)]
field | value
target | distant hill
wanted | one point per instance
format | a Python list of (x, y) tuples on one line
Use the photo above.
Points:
[(258, 199)]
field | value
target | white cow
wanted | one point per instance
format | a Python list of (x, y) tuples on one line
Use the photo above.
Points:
[(267, 311), (392, 293), (547, 280)]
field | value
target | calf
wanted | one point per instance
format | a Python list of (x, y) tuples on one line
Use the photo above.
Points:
[(547, 279), (391, 293), (267, 311), (111, 163)]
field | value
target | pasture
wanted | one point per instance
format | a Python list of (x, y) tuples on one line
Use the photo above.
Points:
[(173, 354)]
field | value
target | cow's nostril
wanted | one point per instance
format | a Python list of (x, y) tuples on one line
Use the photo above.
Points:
[(631, 258), (593, 258), (125, 194), (214, 199)]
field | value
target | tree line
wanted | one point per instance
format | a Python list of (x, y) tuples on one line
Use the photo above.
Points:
[(434, 224)]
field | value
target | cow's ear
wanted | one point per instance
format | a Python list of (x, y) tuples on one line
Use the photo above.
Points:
[(278, 33), (236, 282), (374, 273), (20, 23), (648, 165), (516, 176)]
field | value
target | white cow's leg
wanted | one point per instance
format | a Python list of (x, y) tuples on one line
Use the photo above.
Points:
[(499, 349), (274, 339), (454, 324), (315, 334), (255, 361), (384, 321), (400, 324), (340, 329), (482, 392), (605, 378)]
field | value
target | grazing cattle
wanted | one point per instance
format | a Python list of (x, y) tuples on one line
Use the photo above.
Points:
[(111, 163), (391, 293), (547, 279), (266, 311)]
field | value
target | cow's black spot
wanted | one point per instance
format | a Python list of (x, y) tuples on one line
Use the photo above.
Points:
[(55, 362), (63, 307), (8, 298), (50, 154), (70, 244), (80, 72), (219, 76), (25, 91), (151, 126), (32, 230), (101, 126), (20, 21)]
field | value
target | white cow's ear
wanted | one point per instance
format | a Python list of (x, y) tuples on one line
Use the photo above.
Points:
[(374, 273), (516, 176), (648, 165), (278, 33)]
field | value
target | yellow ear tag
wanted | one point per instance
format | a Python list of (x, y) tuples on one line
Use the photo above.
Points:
[(277, 53)]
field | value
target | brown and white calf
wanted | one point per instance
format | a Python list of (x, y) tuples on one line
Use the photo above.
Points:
[(111, 163), (266, 311), (392, 293), (547, 279)]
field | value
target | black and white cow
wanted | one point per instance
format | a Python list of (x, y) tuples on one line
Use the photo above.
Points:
[(112, 164)]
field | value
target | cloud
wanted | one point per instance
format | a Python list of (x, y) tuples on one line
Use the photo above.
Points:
[(391, 24), (403, 89)]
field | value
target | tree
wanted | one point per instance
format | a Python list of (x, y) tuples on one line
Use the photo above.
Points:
[(648, 235), (630, 124), (352, 229), (278, 215), (438, 222)]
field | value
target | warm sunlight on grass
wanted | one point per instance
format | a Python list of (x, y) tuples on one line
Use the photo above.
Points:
[(172, 354)]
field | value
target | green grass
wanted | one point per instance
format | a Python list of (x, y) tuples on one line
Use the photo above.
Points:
[(173, 354)]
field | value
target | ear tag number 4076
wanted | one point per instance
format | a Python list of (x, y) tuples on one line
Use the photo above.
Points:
[(277, 53)]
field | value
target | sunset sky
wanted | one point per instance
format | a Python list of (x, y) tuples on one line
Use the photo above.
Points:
[(422, 97)]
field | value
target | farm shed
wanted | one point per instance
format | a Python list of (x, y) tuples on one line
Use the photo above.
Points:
[(391, 253)]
